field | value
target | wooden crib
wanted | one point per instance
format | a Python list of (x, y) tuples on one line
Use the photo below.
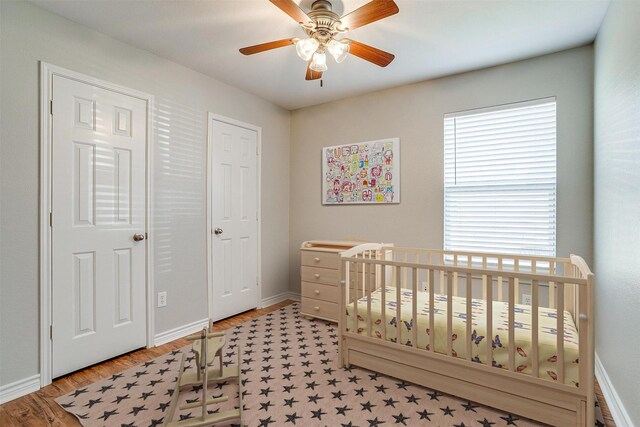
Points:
[(389, 294)]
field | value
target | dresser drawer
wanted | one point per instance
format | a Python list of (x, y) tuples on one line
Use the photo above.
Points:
[(318, 308), (319, 291), (320, 259), (327, 276)]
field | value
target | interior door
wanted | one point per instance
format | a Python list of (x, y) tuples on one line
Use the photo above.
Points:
[(98, 224), (234, 218)]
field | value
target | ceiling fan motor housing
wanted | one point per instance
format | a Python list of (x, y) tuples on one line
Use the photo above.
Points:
[(325, 23)]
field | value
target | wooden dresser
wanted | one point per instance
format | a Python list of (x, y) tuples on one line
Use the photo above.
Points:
[(319, 260)]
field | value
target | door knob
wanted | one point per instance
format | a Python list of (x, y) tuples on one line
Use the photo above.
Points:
[(217, 231), (138, 237)]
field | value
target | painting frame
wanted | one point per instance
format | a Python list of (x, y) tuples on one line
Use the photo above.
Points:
[(368, 176)]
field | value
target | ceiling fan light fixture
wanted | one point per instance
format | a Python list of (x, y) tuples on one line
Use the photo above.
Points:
[(319, 62), (321, 25), (306, 48), (338, 49)]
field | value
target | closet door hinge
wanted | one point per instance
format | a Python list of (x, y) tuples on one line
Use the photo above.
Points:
[(51, 107), (50, 219), (51, 332)]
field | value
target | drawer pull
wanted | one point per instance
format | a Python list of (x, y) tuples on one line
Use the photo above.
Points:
[(316, 259), (317, 292), (317, 276), (316, 308)]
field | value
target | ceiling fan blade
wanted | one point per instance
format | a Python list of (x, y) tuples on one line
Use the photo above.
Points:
[(370, 53), (292, 9), (370, 12), (312, 75), (250, 50)]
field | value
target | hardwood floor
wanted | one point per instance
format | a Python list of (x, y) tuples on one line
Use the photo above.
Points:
[(606, 413), (39, 408)]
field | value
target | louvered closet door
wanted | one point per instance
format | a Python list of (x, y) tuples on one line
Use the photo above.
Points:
[(98, 200)]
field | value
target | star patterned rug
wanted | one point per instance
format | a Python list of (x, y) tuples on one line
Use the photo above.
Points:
[(291, 377)]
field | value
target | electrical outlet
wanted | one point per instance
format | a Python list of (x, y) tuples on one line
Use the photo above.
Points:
[(423, 287), (162, 299), (526, 299)]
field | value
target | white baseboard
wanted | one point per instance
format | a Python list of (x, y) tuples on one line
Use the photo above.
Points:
[(179, 332), (19, 388), (618, 412), (279, 298)]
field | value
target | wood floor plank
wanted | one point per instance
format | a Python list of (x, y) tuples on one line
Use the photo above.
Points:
[(6, 419)]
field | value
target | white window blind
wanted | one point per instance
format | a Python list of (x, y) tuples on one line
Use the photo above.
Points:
[(500, 179)]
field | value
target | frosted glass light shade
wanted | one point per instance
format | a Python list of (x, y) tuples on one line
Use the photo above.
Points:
[(306, 48), (338, 49), (319, 62)]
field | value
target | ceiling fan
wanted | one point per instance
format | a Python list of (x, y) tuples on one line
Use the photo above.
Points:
[(322, 25)]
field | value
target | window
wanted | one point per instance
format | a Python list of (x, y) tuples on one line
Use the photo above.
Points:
[(500, 179)]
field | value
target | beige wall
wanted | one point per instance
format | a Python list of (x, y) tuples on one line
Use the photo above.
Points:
[(183, 97), (415, 114), (617, 201)]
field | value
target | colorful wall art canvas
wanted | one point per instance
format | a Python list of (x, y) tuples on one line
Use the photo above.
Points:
[(363, 173)]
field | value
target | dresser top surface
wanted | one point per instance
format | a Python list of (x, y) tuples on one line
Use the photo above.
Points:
[(329, 245)]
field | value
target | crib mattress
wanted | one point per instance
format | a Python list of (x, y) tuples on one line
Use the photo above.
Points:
[(500, 340)]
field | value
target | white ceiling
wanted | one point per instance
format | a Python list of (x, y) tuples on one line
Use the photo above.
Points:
[(430, 38)]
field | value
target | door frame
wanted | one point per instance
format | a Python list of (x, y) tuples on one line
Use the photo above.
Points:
[(210, 118), (47, 71)]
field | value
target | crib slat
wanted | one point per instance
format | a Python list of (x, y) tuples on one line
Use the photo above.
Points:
[(512, 332), (535, 368), (414, 309), (552, 266), (404, 272), (484, 279), (367, 282), (393, 274), (432, 333), (398, 308), (500, 296), (455, 275), (449, 314), (383, 280), (442, 275), (355, 299), (469, 299), (345, 290), (560, 333), (516, 268), (583, 338), (489, 320)]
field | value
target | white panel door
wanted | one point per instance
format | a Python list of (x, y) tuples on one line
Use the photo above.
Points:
[(98, 204), (234, 219)]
